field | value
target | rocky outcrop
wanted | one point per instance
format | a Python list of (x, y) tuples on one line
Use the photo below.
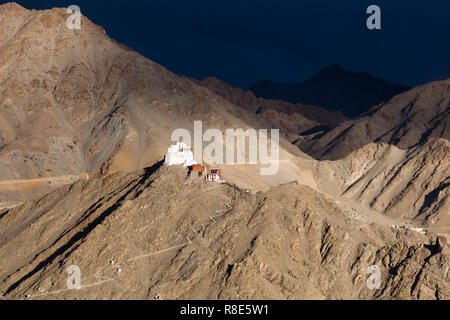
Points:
[(76, 102), (154, 235), (407, 120), (85, 123)]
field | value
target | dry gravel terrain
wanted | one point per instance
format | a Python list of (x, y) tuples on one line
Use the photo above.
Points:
[(84, 126)]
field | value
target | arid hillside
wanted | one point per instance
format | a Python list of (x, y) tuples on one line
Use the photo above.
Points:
[(408, 120), (394, 159), (156, 234), (85, 123), (291, 119), (76, 102), (411, 186)]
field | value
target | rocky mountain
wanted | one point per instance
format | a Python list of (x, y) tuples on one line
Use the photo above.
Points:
[(408, 120), (395, 158), (154, 234), (333, 88), (288, 117), (74, 103), (410, 185), (85, 123)]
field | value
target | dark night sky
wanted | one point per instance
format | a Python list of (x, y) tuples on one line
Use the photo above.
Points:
[(242, 41)]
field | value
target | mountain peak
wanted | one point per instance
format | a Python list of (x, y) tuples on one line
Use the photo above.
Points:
[(333, 67), (333, 88), (11, 7)]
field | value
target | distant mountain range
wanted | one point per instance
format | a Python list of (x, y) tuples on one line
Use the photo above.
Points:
[(84, 126), (333, 88)]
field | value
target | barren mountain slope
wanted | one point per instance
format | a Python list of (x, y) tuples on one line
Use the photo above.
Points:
[(407, 120), (76, 102), (410, 186), (394, 159), (154, 234), (288, 117)]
